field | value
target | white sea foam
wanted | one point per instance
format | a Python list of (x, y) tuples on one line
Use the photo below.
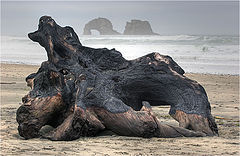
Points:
[(194, 53)]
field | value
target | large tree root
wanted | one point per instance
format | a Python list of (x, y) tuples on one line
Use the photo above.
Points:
[(81, 91)]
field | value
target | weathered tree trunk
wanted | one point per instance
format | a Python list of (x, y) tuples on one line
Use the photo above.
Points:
[(81, 91)]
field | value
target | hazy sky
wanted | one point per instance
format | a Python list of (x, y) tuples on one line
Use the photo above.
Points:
[(166, 18)]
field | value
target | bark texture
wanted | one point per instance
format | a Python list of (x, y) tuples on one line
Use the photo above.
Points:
[(81, 91)]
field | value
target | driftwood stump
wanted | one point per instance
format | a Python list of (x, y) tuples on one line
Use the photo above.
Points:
[(81, 91)]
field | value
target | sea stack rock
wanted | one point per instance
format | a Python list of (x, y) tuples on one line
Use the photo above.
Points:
[(138, 27), (103, 25)]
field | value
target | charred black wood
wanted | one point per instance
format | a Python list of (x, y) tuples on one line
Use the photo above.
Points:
[(81, 91)]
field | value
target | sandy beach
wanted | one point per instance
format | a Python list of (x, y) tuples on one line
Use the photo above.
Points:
[(222, 90)]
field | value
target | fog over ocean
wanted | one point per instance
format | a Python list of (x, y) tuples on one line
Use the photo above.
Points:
[(213, 54)]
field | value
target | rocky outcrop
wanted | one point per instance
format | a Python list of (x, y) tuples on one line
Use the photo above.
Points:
[(138, 27), (103, 25)]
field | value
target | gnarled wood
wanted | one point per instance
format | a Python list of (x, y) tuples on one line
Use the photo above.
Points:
[(81, 91)]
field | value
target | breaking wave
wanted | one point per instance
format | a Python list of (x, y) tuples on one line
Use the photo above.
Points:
[(194, 53)]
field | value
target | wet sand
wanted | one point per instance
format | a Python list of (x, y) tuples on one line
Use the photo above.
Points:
[(222, 90)]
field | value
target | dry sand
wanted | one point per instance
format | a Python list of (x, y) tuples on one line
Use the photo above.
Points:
[(223, 92)]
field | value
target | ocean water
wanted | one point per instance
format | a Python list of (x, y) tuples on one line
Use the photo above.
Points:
[(194, 53)]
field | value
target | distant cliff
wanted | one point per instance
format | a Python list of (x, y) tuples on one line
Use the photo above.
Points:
[(103, 25), (138, 27)]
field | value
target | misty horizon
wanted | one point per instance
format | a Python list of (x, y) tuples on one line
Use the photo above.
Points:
[(165, 18)]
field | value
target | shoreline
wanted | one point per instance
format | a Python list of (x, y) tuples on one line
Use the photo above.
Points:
[(38, 65), (222, 91)]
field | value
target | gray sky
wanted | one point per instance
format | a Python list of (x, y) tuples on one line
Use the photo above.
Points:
[(166, 18)]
